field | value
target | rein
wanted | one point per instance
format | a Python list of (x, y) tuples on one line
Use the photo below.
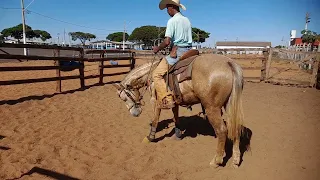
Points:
[(146, 85)]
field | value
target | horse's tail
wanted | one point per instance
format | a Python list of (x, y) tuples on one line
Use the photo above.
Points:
[(234, 109)]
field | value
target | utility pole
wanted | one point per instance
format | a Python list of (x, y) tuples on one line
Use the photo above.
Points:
[(58, 39), (307, 20), (124, 34), (23, 26), (159, 36), (198, 39), (64, 37)]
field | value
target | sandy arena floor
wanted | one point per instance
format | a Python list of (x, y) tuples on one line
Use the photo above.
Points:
[(90, 135)]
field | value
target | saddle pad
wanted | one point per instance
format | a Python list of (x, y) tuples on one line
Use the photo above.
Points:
[(184, 68)]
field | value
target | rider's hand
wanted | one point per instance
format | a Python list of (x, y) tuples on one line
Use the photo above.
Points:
[(156, 49)]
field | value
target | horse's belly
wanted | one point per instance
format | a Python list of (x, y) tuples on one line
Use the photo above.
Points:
[(188, 95)]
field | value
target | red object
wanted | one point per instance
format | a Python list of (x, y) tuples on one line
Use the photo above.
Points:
[(298, 41)]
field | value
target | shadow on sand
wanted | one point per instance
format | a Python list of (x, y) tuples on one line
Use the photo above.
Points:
[(2, 147), (195, 125), (48, 173), (41, 97)]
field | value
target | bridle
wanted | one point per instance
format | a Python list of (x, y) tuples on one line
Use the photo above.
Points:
[(136, 101), (129, 94)]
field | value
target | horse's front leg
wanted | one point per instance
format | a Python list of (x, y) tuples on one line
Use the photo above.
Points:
[(177, 130), (152, 135)]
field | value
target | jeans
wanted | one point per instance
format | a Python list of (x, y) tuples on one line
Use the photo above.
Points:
[(180, 52), (161, 70)]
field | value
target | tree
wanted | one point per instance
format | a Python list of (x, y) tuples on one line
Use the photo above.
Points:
[(43, 35), (147, 34), (117, 36), (279, 47), (309, 37), (17, 32), (203, 35), (83, 37)]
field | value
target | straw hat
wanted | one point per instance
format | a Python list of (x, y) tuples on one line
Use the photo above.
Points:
[(163, 4)]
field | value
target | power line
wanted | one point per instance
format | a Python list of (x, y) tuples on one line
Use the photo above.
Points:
[(39, 14), (8, 8), (72, 23)]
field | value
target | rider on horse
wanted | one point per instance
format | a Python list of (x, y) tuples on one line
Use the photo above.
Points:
[(179, 37)]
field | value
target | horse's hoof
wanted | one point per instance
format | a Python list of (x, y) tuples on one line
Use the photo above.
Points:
[(217, 160), (174, 137), (214, 164), (146, 140), (235, 166)]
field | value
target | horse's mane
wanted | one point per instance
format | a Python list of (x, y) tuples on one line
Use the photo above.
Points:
[(138, 75)]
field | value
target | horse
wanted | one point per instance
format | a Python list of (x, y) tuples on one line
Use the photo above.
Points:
[(216, 83)]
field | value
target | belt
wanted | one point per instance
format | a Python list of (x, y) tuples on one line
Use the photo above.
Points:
[(184, 46)]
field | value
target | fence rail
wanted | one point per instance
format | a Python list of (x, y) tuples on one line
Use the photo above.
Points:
[(59, 66)]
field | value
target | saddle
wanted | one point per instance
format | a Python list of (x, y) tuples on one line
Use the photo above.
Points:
[(179, 72)]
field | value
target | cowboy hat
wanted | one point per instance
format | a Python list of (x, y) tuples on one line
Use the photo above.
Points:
[(163, 4)]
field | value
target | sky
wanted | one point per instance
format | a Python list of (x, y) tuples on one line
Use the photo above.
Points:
[(226, 20)]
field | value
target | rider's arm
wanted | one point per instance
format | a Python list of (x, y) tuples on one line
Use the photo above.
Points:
[(165, 43)]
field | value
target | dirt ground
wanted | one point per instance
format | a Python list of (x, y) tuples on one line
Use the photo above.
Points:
[(90, 134)]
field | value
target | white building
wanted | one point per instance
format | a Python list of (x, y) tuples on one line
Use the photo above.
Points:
[(242, 45), (106, 44)]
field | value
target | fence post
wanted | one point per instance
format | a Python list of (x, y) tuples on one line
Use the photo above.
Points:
[(269, 63), (101, 69), (264, 66), (56, 53), (133, 60), (81, 69), (314, 77)]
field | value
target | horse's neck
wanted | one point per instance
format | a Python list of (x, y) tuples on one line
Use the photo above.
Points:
[(139, 75)]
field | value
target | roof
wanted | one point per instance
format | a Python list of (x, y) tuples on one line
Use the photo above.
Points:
[(298, 41), (243, 43)]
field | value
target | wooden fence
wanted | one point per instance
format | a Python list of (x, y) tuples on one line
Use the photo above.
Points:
[(294, 68), (254, 66), (77, 62), (277, 71)]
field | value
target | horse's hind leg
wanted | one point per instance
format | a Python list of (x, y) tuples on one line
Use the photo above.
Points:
[(215, 119), (177, 135), (152, 135), (236, 154)]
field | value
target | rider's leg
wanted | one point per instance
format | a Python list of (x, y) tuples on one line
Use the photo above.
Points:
[(160, 84)]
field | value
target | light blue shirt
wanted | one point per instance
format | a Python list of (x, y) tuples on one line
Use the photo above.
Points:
[(179, 30)]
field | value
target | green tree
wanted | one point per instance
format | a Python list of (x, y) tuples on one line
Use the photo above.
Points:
[(117, 36), (203, 35), (17, 32), (147, 34), (309, 37), (83, 37), (43, 35)]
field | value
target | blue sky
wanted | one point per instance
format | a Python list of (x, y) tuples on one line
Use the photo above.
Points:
[(247, 20)]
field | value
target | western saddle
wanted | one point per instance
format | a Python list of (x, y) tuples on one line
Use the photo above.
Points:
[(183, 68)]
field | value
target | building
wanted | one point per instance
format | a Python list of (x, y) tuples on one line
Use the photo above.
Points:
[(242, 45), (106, 44), (297, 44)]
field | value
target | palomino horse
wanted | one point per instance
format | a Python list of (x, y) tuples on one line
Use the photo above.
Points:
[(217, 82)]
